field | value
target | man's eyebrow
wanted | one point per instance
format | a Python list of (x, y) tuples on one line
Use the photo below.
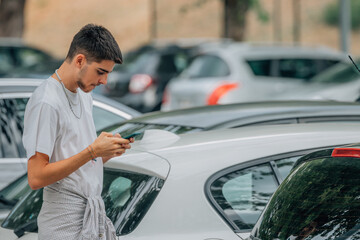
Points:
[(104, 70)]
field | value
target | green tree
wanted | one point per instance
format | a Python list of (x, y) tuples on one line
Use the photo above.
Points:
[(331, 14)]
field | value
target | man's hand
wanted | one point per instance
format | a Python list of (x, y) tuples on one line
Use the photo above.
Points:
[(108, 145)]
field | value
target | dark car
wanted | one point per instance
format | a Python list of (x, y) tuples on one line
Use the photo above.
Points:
[(140, 84), (320, 199), (239, 115), (15, 54), (14, 94)]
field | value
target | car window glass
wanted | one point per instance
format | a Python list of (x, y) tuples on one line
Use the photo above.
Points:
[(15, 190), (207, 66), (28, 57), (284, 165), (6, 60), (297, 68), (341, 73), (11, 128), (167, 64), (243, 194), (127, 197), (104, 118), (319, 200), (145, 63), (260, 67)]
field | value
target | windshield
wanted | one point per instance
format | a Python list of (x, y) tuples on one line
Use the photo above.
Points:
[(339, 73), (127, 197), (320, 199)]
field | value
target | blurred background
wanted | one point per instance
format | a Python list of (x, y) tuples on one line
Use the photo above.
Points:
[(188, 53), (51, 24)]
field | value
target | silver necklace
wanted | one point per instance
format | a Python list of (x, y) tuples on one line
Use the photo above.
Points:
[(63, 87)]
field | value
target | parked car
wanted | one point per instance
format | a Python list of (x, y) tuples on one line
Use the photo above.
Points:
[(223, 116), (240, 115), (254, 72), (340, 82), (14, 94), (161, 189), (318, 200), (141, 83), (14, 54)]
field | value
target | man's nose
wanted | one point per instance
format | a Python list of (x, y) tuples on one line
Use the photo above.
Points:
[(103, 79)]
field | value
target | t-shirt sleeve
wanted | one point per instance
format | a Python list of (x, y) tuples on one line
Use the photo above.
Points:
[(40, 129)]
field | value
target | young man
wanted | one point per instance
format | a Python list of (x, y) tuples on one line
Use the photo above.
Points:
[(65, 156)]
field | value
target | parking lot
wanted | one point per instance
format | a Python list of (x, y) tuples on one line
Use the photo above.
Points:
[(238, 127)]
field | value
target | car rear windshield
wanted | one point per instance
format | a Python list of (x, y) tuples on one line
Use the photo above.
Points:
[(320, 199), (127, 197)]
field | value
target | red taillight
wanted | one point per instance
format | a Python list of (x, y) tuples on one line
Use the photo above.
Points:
[(165, 98), (219, 92), (346, 152), (139, 83)]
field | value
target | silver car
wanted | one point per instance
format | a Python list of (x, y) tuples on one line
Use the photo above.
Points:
[(206, 185), (253, 72)]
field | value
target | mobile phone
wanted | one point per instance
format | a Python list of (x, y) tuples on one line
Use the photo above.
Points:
[(132, 135)]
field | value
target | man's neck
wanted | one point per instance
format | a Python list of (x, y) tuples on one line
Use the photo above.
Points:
[(66, 79)]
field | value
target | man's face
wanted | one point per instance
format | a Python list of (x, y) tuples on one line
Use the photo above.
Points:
[(94, 74)]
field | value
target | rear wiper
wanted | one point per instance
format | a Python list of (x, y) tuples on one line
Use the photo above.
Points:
[(30, 226), (7, 201)]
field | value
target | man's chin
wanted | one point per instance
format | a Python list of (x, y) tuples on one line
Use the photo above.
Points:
[(88, 89)]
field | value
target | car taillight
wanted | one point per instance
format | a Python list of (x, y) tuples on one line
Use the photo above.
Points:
[(165, 97), (346, 152), (139, 83), (219, 92)]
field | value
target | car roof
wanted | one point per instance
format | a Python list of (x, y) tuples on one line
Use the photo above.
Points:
[(211, 117), (264, 50), (28, 85), (223, 148)]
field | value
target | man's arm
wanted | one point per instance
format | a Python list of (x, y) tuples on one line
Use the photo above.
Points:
[(42, 173)]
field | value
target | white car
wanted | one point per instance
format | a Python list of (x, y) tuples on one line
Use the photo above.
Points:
[(14, 94), (206, 185), (340, 82), (255, 72)]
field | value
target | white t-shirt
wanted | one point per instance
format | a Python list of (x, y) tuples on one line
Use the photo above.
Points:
[(50, 127)]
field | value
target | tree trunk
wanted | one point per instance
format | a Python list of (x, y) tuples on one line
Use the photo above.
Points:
[(11, 18), (235, 18)]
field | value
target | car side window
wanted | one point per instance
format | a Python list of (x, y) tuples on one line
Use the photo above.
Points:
[(240, 195), (10, 129), (284, 166), (207, 66), (260, 67), (127, 197), (167, 64), (297, 68), (28, 57), (6, 61), (243, 194)]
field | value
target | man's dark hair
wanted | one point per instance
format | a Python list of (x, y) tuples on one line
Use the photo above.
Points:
[(96, 43)]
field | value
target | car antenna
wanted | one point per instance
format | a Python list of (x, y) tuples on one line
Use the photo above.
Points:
[(354, 63)]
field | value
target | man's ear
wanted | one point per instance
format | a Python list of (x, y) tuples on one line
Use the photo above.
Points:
[(80, 60)]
